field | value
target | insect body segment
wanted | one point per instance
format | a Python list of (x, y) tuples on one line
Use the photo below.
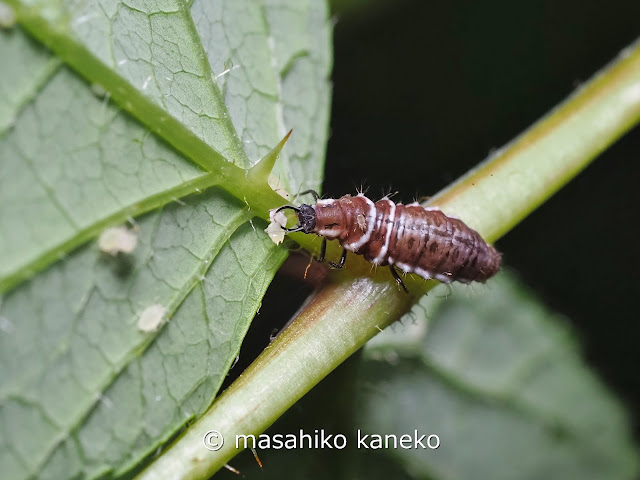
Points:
[(414, 239)]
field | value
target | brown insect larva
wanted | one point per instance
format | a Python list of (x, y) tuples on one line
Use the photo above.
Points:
[(415, 239)]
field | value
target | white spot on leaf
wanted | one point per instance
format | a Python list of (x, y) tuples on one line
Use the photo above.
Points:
[(118, 239), (151, 318)]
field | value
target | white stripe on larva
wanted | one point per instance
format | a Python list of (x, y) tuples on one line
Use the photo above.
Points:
[(371, 218), (443, 278), (329, 233), (326, 201), (423, 273), (385, 247), (379, 221), (404, 267), (437, 209)]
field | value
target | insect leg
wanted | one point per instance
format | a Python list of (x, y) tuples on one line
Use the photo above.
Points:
[(343, 259), (323, 251), (312, 192), (394, 272)]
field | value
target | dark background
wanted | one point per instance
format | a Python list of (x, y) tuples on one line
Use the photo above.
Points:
[(423, 91)]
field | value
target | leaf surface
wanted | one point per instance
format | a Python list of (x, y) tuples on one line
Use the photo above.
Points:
[(150, 122), (70, 356)]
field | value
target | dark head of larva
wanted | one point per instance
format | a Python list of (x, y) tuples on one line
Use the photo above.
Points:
[(306, 218)]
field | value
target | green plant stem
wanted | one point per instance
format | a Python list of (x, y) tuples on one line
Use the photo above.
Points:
[(351, 309), (518, 178)]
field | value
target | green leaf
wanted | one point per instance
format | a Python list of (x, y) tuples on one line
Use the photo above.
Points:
[(167, 64), (106, 164), (277, 72), (77, 156), (31, 67), (72, 375), (499, 379), (266, 86)]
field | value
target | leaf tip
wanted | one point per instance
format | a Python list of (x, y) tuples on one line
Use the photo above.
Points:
[(261, 170)]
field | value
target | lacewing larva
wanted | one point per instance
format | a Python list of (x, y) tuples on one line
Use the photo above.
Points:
[(412, 238)]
